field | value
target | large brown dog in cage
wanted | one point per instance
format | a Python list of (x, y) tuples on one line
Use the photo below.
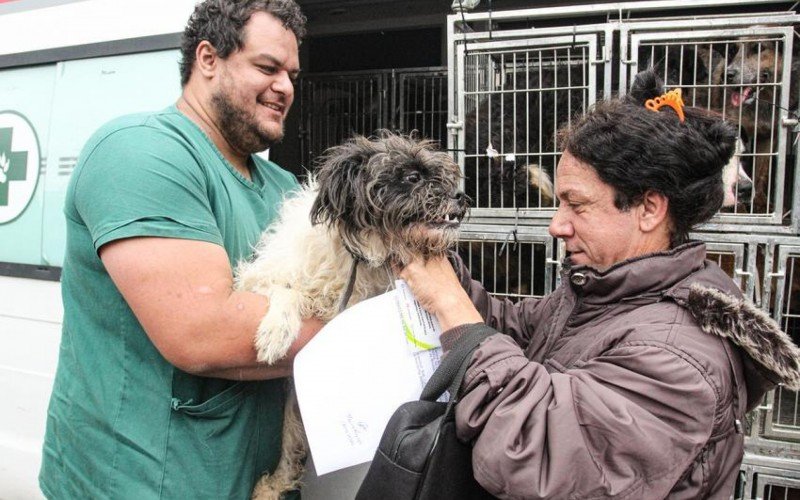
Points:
[(747, 91), (742, 79)]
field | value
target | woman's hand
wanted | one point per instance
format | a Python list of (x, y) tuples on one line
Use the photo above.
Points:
[(436, 287)]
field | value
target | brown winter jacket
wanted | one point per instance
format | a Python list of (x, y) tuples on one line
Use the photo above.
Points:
[(628, 383)]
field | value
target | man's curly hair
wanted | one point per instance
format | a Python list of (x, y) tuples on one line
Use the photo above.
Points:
[(222, 22), (636, 150)]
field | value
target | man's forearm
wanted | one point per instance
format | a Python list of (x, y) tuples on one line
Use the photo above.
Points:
[(249, 369), (181, 291)]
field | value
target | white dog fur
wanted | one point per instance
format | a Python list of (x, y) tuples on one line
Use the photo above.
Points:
[(378, 201)]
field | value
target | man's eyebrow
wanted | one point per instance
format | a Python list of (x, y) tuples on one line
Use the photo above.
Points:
[(274, 60)]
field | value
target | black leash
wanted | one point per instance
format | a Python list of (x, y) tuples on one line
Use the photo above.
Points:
[(350, 283)]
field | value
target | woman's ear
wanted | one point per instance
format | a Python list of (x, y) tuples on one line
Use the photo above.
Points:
[(654, 212)]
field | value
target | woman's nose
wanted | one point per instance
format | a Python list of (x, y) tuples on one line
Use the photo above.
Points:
[(560, 226)]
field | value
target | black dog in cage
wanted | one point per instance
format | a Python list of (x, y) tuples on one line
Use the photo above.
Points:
[(510, 149), (510, 155)]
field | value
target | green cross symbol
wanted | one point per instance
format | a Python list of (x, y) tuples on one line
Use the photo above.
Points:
[(13, 165)]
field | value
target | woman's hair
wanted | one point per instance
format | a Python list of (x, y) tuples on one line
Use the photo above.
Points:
[(636, 150), (222, 22)]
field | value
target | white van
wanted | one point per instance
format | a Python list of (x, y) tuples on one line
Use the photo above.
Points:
[(66, 67)]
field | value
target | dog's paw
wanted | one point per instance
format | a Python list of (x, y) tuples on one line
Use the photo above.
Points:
[(273, 342), (279, 328)]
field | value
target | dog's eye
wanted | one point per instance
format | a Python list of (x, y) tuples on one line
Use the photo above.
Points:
[(413, 177)]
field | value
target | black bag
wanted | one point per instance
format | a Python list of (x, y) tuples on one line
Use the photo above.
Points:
[(419, 456)]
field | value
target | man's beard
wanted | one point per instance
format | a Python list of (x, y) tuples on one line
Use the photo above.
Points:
[(240, 128)]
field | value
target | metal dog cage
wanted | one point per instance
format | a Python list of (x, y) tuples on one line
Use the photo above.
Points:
[(514, 78), (334, 106), (511, 96), (739, 71), (512, 265), (512, 89)]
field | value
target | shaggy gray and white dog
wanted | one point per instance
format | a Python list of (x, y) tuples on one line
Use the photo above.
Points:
[(373, 202)]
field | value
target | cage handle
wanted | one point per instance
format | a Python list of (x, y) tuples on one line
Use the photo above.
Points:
[(511, 234)]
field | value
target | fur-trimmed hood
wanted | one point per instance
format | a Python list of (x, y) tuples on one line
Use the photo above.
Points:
[(768, 354), (769, 357), (651, 360)]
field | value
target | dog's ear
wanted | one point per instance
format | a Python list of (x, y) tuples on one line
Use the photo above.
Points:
[(334, 197), (340, 180), (710, 62)]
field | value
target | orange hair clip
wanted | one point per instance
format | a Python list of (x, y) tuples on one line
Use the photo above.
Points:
[(672, 99)]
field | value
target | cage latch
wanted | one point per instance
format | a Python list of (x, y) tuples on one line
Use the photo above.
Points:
[(603, 59), (510, 235), (454, 127)]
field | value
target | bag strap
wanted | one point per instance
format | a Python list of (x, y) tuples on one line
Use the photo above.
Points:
[(450, 373)]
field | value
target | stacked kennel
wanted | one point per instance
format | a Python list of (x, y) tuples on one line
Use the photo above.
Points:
[(515, 77), (334, 106)]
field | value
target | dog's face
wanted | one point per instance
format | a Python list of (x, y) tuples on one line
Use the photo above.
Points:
[(390, 198), (753, 76), (754, 65)]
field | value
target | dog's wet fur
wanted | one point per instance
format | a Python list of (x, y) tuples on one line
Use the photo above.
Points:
[(377, 201)]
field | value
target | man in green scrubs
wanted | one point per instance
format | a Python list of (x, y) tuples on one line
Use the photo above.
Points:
[(158, 393)]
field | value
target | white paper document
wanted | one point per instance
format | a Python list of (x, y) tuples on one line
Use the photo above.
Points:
[(420, 328), (357, 370)]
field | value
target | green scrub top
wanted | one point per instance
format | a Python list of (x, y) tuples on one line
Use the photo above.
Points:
[(124, 423)]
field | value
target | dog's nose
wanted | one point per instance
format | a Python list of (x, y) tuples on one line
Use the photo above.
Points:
[(744, 188), (461, 200)]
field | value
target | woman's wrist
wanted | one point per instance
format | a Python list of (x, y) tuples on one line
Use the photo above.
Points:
[(456, 310)]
